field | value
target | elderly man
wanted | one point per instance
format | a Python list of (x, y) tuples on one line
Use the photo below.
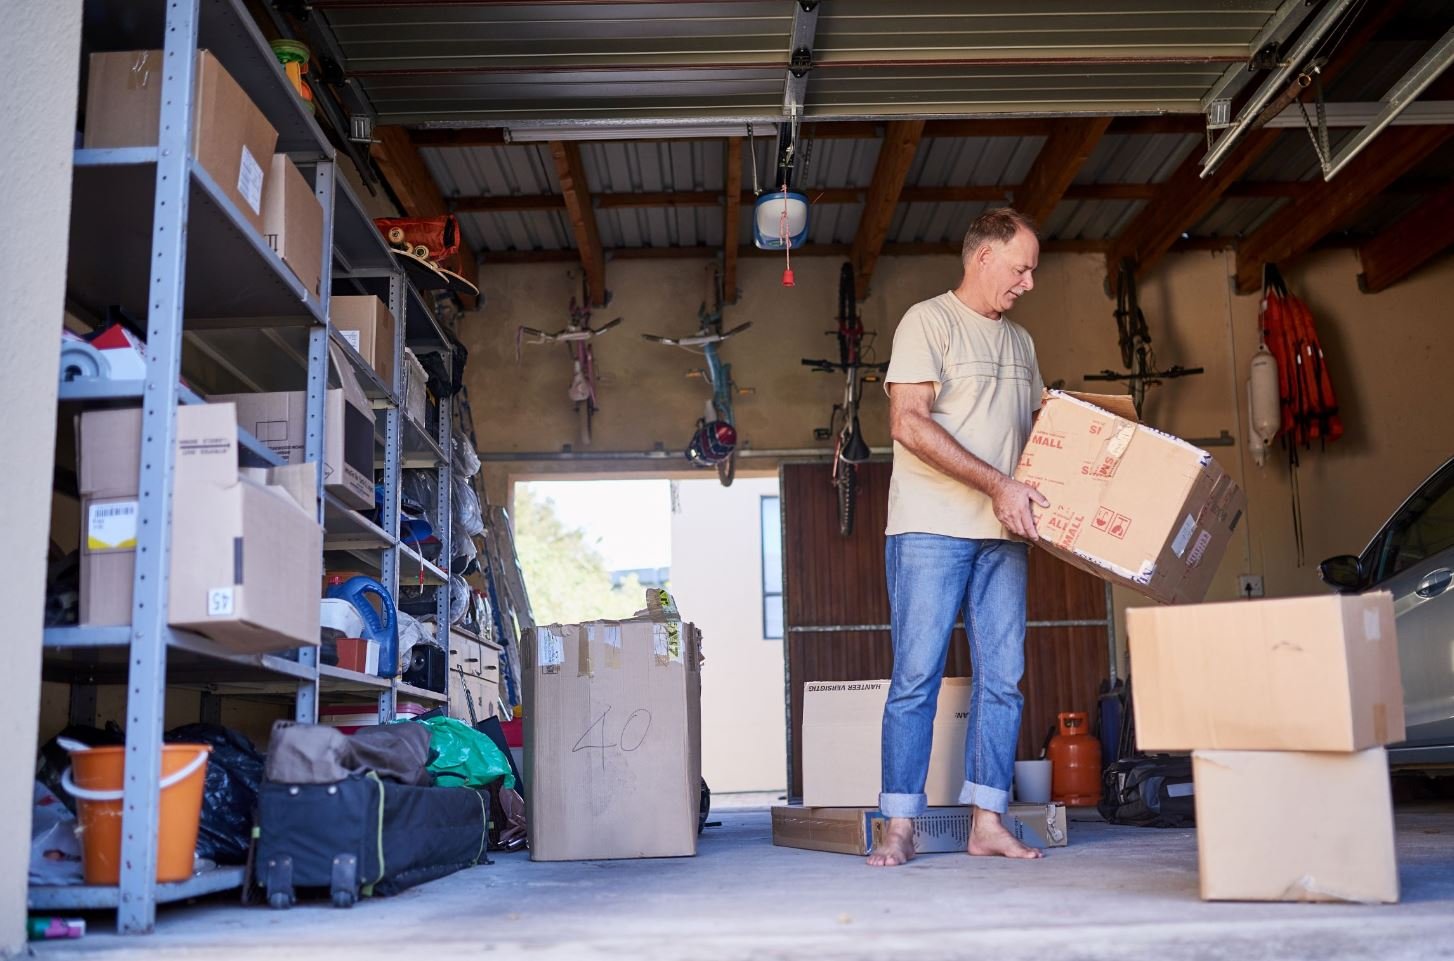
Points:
[(964, 388)]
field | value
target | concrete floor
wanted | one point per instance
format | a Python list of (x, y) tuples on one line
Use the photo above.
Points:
[(1114, 893)]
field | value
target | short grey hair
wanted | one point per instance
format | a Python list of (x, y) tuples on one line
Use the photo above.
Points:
[(997, 225)]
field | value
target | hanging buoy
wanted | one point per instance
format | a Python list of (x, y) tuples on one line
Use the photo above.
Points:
[(1264, 412)]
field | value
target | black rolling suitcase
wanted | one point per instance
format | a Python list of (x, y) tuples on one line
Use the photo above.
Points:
[(363, 836)]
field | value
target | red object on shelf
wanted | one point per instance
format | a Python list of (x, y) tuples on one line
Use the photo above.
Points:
[(514, 732)]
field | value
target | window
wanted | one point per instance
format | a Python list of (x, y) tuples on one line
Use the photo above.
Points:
[(772, 568), (1422, 528)]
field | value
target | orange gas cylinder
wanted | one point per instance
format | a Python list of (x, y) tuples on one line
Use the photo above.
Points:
[(1075, 762)]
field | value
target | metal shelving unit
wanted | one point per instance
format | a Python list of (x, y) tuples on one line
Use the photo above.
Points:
[(151, 229)]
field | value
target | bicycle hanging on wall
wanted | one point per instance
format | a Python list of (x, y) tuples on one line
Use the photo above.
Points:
[(714, 441), (1137, 354), (850, 450), (577, 337)]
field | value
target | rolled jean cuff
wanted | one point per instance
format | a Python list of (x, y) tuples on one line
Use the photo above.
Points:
[(988, 798), (902, 805)]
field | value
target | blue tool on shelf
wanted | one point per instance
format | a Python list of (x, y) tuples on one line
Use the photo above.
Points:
[(382, 629)]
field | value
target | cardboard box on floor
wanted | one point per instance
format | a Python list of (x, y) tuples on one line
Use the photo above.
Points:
[(843, 735), (245, 554), (613, 737), (293, 222), (1294, 674), (1128, 503), (937, 831), (280, 420), (231, 139), (368, 325), (1295, 826)]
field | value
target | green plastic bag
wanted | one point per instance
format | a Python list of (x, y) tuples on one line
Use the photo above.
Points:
[(462, 756)]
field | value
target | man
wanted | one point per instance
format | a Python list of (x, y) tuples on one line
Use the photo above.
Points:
[(964, 388)]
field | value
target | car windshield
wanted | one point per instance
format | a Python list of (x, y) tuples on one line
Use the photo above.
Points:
[(1422, 528)]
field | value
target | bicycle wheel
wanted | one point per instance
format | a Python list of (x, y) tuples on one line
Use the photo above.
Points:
[(727, 469), (847, 493)]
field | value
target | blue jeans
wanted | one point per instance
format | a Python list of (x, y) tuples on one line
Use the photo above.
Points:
[(931, 578)]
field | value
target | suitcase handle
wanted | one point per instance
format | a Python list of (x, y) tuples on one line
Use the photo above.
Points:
[(171, 780)]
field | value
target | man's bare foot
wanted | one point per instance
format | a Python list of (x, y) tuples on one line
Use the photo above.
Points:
[(898, 845), (990, 838)]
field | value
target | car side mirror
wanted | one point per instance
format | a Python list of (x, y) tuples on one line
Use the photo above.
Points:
[(1344, 572)]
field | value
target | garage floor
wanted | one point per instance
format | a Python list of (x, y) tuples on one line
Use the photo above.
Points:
[(1114, 893)]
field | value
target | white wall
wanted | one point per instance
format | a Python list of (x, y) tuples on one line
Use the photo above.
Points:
[(716, 576), (40, 47)]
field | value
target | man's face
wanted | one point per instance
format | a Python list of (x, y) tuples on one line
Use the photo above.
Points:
[(1007, 271)]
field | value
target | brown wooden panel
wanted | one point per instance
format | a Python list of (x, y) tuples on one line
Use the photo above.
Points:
[(835, 581)]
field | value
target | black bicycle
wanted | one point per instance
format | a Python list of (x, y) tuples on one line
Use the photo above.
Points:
[(850, 449)]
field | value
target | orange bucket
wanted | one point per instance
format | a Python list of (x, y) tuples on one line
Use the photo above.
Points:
[(95, 781)]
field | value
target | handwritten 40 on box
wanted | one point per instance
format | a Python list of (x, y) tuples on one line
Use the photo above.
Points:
[(1128, 503), (613, 735)]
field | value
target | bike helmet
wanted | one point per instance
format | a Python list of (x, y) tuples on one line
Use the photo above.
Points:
[(712, 443)]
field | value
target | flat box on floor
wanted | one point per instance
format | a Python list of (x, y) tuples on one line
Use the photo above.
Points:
[(231, 140), (367, 324), (938, 830), (293, 222), (280, 419), (1294, 674), (843, 734), (1295, 826), (613, 737), (1129, 504), (245, 552)]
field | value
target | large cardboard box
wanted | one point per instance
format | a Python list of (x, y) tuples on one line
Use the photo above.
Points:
[(937, 831), (280, 420), (1295, 674), (1128, 503), (232, 140), (613, 737), (368, 325), (293, 222), (1289, 826), (245, 554), (843, 736)]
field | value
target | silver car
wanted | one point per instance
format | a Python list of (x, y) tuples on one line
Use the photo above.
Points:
[(1412, 556)]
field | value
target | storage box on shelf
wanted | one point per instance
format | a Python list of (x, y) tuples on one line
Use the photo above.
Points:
[(293, 222)]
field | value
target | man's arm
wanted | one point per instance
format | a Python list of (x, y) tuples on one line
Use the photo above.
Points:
[(911, 425)]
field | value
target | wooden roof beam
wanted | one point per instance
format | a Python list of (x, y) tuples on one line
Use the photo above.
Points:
[(1065, 151), (731, 219), (576, 193), (896, 154), (1410, 243)]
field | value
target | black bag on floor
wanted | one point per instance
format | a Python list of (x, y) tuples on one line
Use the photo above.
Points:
[(364, 836), (1145, 790)]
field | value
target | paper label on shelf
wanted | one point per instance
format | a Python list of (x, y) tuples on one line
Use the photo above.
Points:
[(250, 181), (111, 527), (220, 602), (351, 338), (550, 653)]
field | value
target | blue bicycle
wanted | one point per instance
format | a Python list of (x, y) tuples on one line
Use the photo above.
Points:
[(714, 442)]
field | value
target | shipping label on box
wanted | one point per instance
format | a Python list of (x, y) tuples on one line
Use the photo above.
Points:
[(111, 526)]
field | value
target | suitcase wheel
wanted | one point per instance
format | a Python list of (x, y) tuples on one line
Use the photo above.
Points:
[(345, 881), (280, 901)]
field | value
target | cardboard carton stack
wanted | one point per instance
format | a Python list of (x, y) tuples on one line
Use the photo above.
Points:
[(842, 771), (1285, 706)]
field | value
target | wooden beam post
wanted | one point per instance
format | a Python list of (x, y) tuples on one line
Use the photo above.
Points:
[(399, 162), (1302, 223), (731, 216), (1066, 149), (1409, 244), (900, 143), (574, 188)]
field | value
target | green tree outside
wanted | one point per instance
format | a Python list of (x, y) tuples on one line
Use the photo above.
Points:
[(565, 576)]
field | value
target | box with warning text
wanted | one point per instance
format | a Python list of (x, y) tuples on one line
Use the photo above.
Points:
[(1128, 503)]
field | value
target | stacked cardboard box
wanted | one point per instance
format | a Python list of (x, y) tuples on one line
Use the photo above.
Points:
[(842, 772), (1286, 706)]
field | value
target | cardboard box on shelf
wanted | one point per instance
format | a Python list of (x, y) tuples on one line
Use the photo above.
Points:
[(232, 140), (613, 737), (843, 735), (244, 553), (293, 222), (848, 830), (1128, 503), (279, 419), (368, 325), (1293, 674), (416, 389), (1295, 826)]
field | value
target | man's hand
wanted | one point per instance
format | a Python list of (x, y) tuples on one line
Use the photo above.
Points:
[(1012, 501)]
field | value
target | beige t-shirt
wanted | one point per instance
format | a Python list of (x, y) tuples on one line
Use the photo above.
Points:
[(988, 388)]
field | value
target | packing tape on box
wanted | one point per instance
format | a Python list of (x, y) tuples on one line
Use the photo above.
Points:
[(549, 649), (586, 637), (666, 641), (1144, 576), (140, 76)]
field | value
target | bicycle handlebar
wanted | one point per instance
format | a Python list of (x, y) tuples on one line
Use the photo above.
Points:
[(828, 365)]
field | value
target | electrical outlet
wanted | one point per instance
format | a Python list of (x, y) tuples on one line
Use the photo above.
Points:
[(1249, 585)]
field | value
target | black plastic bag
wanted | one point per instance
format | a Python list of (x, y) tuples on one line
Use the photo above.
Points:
[(54, 759), (234, 774)]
